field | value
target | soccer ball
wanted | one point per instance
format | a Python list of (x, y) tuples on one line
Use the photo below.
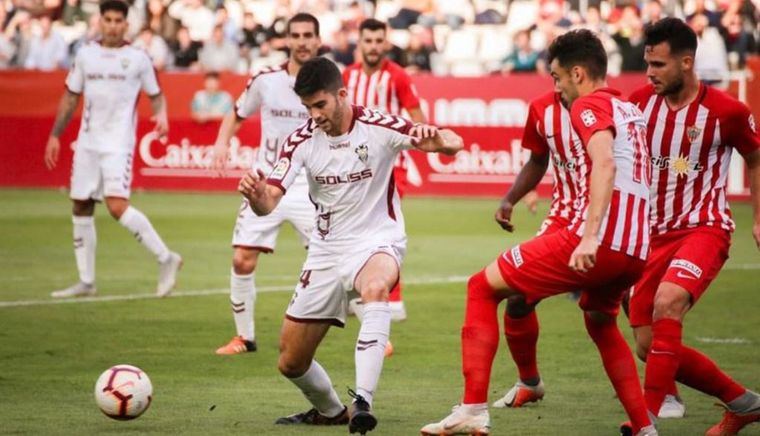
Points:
[(123, 392)]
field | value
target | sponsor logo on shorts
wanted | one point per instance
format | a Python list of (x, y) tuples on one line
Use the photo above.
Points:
[(695, 271), (517, 256), (280, 169)]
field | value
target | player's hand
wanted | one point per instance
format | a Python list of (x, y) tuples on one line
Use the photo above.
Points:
[(503, 215), (756, 234), (162, 126), (253, 185), (584, 255), (219, 159), (52, 149), (423, 131), (531, 200)]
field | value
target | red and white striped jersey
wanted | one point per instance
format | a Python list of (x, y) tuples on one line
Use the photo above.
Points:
[(548, 130), (625, 227), (691, 152), (389, 89)]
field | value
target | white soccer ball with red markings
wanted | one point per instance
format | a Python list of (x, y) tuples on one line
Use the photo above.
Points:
[(123, 392)]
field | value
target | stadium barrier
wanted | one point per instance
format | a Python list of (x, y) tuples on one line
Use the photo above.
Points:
[(488, 112)]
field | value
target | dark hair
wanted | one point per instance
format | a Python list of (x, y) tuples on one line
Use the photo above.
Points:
[(318, 74), (679, 36), (114, 5), (303, 17), (580, 48), (212, 75), (372, 24)]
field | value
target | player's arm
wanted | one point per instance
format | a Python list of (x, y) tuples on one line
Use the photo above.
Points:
[(160, 116), (742, 134), (602, 184), (529, 177), (229, 127), (66, 109), (431, 139), (753, 164), (416, 115), (262, 196)]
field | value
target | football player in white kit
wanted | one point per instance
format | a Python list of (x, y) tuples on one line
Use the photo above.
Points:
[(110, 74), (358, 242), (271, 92)]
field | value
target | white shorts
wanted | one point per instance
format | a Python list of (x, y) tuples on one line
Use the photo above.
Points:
[(323, 294), (260, 232), (95, 174)]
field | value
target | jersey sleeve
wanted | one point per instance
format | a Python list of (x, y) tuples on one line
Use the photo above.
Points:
[(149, 78), (398, 133), (741, 130), (75, 78), (589, 115), (291, 159), (532, 138), (406, 92), (249, 101)]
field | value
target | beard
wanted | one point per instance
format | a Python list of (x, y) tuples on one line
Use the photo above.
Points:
[(674, 87), (376, 58)]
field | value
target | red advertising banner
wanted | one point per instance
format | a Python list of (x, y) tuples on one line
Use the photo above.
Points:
[(487, 112)]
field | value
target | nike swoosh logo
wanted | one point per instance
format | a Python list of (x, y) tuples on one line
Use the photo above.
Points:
[(682, 275), (450, 426)]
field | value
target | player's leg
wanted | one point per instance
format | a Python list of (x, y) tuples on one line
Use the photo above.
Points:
[(521, 332), (85, 189), (672, 406), (298, 343), (242, 300), (117, 178)]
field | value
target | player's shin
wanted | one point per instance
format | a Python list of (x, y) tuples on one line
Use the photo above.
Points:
[(370, 347), (620, 367), (480, 338), (699, 372), (137, 223), (317, 387), (522, 337), (243, 299), (85, 241), (662, 361)]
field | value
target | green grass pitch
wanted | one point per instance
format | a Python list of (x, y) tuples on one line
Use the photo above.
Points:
[(51, 354)]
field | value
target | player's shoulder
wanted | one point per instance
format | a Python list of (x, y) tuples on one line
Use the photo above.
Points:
[(394, 69), (299, 136), (269, 73), (723, 104), (539, 104), (599, 100), (642, 95), (376, 119)]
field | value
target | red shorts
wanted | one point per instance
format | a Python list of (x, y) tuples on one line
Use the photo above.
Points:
[(689, 258), (553, 224), (539, 269)]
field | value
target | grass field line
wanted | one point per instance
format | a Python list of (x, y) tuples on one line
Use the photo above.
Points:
[(202, 292)]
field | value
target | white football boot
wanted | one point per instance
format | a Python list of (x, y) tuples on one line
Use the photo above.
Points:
[(167, 274), (461, 421), (520, 394), (80, 289), (671, 407)]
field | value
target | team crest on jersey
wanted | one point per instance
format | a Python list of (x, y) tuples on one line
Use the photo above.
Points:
[(752, 125), (280, 169), (588, 118), (124, 63), (362, 152), (693, 133)]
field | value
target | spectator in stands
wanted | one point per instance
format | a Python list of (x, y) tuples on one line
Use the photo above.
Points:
[(700, 8), (229, 28), (629, 38), (185, 50), (47, 50), (91, 34), (343, 50), (523, 58), (738, 38), (253, 34), (453, 13), (652, 12), (218, 54), (198, 19), (79, 10), (417, 55), (410, 13), (711, 61), (156, 47), (210, 103), (7, 48), (160, 22)]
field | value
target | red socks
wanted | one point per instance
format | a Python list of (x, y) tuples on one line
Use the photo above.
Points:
[(480, 338), (699, 372), (395, 294), (662, 362), (621, 369), (522, 336)]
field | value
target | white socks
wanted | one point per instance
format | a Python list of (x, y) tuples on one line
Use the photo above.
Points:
[(85, 241), (370, 347), (242, 298), (137, 223), (317, 388)]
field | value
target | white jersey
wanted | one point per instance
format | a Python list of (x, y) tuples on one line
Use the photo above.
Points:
[(350, 183), (110, 79), (271, 92)]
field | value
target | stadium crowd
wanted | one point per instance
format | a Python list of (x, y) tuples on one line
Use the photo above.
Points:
[(457, 37)]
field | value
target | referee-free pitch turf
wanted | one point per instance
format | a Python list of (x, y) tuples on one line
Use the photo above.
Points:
[(51, 354)]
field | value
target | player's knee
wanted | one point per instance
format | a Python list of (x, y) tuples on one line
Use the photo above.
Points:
[(375, 290), (83, 207), (291, 368), (116, 208), (517, 307), (671, 301), (244, 261)]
